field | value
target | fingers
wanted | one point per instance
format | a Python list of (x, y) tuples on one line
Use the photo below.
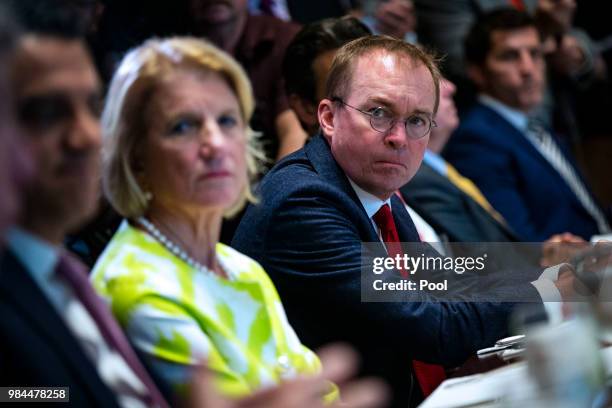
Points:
[(203, 393), (366, 393), (396, 18), (297, 393), (339, 365), (340, 362), (560, 248)]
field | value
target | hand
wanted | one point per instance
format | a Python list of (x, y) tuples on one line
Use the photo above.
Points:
[(559, 11), (560, 248), (395, 18), (568, 56), (587, 274), (593, 268), (339, 365)]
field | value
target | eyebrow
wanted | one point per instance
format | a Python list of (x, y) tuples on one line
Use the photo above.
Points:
[(423, 112), (387, 104), (192, 113), (380, 100)]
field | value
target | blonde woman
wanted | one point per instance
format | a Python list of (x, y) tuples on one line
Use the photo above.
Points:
[(177, 158)]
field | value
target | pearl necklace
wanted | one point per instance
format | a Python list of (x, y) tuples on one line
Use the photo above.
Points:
[(176, 249)]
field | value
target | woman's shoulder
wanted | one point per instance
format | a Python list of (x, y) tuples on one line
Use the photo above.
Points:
[(228, 254), (129, 249), (237, 262)]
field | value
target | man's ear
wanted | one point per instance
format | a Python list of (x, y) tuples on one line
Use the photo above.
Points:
[(477, 75), (305, 111), (326, 118)]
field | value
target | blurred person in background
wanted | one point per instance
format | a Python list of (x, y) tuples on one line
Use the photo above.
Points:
[(15, 162), (308, 60), (522, 169), (258, 43), (453, 205), (55, 331), (395, 18)]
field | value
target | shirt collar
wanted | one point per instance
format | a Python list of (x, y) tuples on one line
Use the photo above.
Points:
[(370, 202), (516, 118), (38, 257)]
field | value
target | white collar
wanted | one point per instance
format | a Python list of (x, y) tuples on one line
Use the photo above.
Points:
[(516, 118), (370, 202), (38, 256)]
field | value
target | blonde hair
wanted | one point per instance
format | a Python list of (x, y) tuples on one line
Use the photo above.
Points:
[(124, 124), (341, 71)]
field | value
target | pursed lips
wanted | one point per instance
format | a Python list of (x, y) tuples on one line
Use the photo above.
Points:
[(390, 162), (216, 174)]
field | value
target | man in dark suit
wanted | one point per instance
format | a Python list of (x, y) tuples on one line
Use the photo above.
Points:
[(50, 334), (522, 170), (451, 203), (320, 204), (451, 212), (434, 200), (15, 163)]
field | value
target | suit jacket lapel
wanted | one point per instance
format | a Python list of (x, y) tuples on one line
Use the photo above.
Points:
[(521, 141), (19, 288), (445, 183), (320, 156), (526, 146), (403, 223)]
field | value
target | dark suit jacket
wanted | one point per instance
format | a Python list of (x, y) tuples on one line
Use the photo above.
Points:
[(450, 211), (36, 347), (307, 233), (515, 178)]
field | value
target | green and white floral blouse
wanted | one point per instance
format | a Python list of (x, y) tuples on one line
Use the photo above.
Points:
[(179, 317)]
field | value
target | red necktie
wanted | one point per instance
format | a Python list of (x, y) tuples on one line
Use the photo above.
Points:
[(75, 275), (428, 375), (388, 232)]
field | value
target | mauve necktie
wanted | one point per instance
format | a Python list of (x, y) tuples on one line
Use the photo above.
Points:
[(75, 275), (428, 375)]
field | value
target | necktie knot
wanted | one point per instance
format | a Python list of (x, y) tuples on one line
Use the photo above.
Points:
[(71, 270), (388, 232), (538, 130), (384, 219)]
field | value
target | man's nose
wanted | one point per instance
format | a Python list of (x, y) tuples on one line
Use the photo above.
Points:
[(397, 137), (527, 63), (85, 130)]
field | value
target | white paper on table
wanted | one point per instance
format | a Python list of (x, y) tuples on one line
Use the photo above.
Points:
[(476, 389), (489, 388), (604, 237)]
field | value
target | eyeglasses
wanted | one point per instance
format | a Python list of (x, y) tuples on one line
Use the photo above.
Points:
[(382, 120)]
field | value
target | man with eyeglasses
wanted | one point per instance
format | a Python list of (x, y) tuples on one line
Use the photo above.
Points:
[(321, 203)]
